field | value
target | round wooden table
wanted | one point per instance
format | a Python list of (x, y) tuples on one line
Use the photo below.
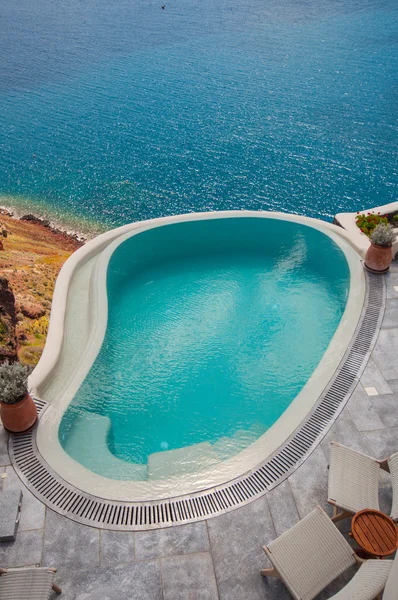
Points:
[(375, 532)]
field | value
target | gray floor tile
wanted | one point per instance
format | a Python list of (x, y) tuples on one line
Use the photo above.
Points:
[(362, 411), (236, 541), (33, 511), (393, 383), (385, 496), (69, 544), (391, 313), (385, 353), (170, 541), (337, 584), (387, 409), (382, 443), (391, 281), (116, 547), (344, 526), (137, 581), (371, 377), (282, 507), (345, 432), (309, 483), (25, 551), (189, 577), (4, 458), (394, 266), (274, 589)]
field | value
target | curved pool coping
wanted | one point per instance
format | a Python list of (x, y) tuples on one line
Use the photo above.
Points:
[(82, 478)]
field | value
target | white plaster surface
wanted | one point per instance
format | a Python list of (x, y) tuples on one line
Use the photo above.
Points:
[(371, 391), (359, 239)]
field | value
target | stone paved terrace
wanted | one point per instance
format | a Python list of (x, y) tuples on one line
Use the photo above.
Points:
[(221, 558)]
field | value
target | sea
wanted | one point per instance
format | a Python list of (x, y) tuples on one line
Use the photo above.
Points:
[(118, 111)]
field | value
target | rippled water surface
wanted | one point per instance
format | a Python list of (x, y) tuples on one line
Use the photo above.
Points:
[(118, 111), (213, 329)]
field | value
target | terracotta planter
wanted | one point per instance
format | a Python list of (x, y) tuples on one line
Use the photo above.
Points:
[(20, 416), (378, 258)]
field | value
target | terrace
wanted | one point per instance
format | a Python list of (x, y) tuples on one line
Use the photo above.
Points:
[(219, 558)]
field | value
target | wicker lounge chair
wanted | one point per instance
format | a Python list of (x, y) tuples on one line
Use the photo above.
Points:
[(354, 481), (27, 584), (390, 591), (313, 553)]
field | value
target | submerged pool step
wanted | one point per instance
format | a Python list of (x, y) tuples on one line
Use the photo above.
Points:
[(88, 441), (181, 461), (226, 447), (202, 456)]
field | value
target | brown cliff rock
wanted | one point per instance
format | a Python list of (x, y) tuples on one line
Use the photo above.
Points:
[(33, 255), (29, 307), (8, 320)]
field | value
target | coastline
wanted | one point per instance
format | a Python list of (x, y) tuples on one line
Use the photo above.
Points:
[(71, 225), (10, 213)]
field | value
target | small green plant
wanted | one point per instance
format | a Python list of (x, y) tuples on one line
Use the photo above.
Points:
[(394, 220), (383, 235), (13, 382), (3, 331), (367, 223)]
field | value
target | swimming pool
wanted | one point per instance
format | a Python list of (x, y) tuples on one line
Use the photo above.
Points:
[(212, 336)]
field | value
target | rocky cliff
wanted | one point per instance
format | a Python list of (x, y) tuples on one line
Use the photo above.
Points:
[(8, 321), (31, 255)]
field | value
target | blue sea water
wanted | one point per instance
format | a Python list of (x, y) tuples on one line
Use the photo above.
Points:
[(215, 327), (116, 111)]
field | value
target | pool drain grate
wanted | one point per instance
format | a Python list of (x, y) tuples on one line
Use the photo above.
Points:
[(85, 508)]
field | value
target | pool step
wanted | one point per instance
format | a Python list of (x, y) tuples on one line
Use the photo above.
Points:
[(87, 444), (226, 447), (181, 461), (257, 429)]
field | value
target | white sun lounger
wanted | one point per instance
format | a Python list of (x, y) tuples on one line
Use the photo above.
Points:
[(354, 481), (313, 553), (27, 584)]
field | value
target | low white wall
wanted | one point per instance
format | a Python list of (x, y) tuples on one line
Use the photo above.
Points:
[(361, 241), (48, 361)]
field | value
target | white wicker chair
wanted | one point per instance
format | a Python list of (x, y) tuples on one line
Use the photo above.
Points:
[(313, 553), (390, 591), (27, 584), (354, 481), (368, 581), (393, 468)]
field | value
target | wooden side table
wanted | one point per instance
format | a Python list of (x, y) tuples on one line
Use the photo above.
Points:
[(375, 532)]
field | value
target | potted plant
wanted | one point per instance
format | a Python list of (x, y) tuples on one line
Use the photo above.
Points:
[(379, 255), (17, 409), (368, 222)]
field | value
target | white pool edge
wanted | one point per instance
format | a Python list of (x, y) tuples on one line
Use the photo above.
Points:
[(248, 459)]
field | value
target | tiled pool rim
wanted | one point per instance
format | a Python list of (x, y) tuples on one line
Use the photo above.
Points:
[(81, 478)]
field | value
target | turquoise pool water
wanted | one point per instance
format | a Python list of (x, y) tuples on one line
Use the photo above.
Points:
[(213, 328)]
